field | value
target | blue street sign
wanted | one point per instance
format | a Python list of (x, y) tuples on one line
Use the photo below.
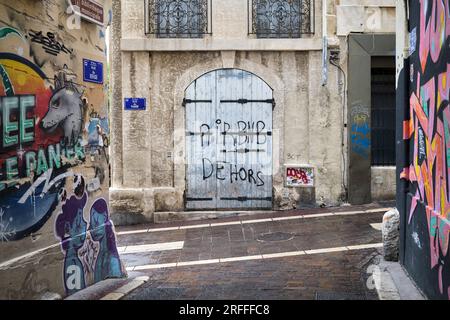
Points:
[(92, 71), (135, 103)]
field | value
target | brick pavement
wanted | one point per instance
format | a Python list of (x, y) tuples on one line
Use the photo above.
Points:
[(316, 276)]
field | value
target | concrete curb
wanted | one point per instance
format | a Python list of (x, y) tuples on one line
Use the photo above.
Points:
[(395, 284), (119, 293)]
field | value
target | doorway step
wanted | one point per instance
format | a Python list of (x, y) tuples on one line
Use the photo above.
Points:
[(164, 217)]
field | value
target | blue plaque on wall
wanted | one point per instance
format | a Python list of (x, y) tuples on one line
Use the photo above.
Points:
[(92, 71), (135, 103)]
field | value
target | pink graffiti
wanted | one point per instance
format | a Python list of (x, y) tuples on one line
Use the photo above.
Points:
[(429, 169), (298, 174), (434, 33)]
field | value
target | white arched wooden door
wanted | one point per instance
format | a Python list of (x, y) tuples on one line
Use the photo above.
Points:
[(228, 141)]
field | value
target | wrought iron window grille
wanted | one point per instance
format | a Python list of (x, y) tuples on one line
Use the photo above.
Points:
[(178, 18), (281, 18)]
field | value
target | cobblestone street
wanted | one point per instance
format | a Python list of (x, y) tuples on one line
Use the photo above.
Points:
[(305, 254)]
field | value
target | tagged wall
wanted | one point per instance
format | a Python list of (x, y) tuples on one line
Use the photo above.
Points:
[(426, 134), (53, 152)]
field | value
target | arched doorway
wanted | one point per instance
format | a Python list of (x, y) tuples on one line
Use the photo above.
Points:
[(229, 141)]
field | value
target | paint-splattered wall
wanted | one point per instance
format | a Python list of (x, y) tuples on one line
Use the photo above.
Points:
[(427, 136), (54, 166)]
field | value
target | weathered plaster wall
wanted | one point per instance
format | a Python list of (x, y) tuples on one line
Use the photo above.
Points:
[(307, 122), (383, 183), (55, 228), (229, 31), (372, 17), (368, 16)]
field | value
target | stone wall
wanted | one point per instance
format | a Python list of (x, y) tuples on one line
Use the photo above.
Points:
[(307, 122)]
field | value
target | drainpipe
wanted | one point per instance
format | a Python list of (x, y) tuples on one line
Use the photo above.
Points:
[(325, 43)]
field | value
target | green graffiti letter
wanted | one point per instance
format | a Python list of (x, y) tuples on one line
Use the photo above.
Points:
[(26, 103), (42, 162), (54, 158), (12, 172), (30, 160), (9, 104)]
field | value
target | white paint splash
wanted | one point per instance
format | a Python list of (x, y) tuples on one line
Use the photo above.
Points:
[(5, 231), (416, 239)]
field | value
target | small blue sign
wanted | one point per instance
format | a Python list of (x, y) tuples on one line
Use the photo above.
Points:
[(92, 71), (135, 103)]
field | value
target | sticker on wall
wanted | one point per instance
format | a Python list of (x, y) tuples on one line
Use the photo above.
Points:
[(412, 41), (135, 103), (92, 71), (299, 177)]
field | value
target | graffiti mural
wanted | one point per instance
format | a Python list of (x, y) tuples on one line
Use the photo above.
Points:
[(360, 131), (426, 131), (300, 177), (32, 160), (70, 228), (101, 229), (54, 174), (89, 247)]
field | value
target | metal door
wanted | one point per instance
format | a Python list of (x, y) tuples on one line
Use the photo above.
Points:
[(229, 141)]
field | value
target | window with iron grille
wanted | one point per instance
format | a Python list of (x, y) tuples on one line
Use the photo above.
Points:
[(281, 18), (383, 115), (177, 18)]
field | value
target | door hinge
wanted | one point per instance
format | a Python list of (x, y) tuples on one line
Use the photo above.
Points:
[(186, 101), (244, 101)]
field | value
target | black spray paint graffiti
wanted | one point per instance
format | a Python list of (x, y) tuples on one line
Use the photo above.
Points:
[(235, 141), (247, 132), (234, 174), (49, 43)]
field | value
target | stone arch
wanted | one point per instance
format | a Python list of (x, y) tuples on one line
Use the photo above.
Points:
[(190, 75)]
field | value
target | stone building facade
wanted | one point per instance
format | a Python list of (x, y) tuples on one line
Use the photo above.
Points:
[(186, 62)]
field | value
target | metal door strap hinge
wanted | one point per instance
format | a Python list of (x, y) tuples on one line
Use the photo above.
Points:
[(244, 101), (186, 101)]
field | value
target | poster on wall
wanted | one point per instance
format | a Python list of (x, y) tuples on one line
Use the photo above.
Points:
[(300, 177)]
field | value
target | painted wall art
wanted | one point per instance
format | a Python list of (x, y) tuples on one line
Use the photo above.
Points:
[(426, 133), (54, 163)]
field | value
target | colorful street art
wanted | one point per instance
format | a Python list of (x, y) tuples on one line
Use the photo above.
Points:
[(53, 157), (89, 246), (426, 130), (300, 177), (27, 152), (360, 131)]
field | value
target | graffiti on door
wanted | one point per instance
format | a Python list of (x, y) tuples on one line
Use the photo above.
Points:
[(233, 138), (229, 140)]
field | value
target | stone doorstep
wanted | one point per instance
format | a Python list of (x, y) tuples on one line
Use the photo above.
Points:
[(164, 217), (185, 216), (109, 289)]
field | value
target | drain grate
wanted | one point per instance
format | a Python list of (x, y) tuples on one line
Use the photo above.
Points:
[(338, 296), (275, 236)]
